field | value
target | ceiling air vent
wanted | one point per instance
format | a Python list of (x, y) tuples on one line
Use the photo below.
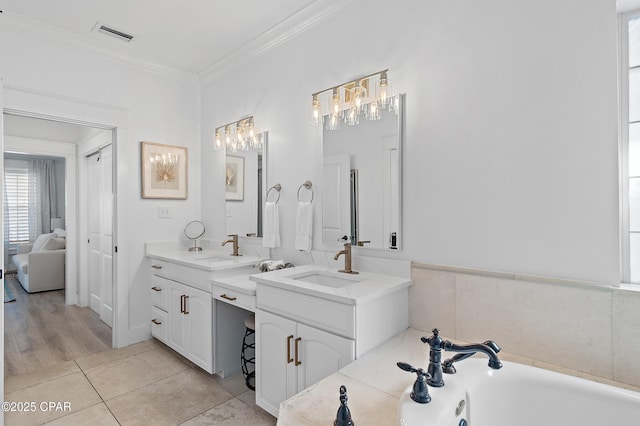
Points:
[(122, 36)]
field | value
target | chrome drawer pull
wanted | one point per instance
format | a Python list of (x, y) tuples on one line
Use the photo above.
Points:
[(154, 288), (224, 296), (155, 321)]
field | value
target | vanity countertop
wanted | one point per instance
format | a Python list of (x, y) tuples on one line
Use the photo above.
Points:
[(363, 286), (207, 259), (239, 283)]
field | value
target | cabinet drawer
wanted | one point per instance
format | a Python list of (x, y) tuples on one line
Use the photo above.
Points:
[(160, 292), (159, 324), (235, 298), (198, 278), (334, 317)]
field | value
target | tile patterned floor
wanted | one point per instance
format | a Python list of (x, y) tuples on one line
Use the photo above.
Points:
[(143, 384)]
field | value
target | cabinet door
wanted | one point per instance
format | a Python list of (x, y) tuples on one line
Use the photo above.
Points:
[(177, 338), (275, 368), (198, 318), (321, 354)]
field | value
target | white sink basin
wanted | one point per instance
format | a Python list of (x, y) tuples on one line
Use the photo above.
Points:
[(212, 258), (328, 279)]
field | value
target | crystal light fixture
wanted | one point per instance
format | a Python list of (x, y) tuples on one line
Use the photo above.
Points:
[(358, 100), (238, 135)]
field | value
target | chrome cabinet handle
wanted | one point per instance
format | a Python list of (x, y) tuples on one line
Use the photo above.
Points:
[(289, 359), (224, 296), (154, 288), (298, 362), (156, 266), (155, 321)]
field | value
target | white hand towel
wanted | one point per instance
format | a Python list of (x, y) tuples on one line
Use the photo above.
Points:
[(271, 230), (304, 226)]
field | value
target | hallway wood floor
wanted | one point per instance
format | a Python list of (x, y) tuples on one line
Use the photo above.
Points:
[(41, 331)]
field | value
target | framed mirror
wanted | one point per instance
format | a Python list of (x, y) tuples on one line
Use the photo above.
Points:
[(245, 180), (362, 174)]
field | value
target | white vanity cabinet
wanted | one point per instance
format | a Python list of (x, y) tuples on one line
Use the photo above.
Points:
[(190, 324), (181, 313), (306, 332), (294, 356)]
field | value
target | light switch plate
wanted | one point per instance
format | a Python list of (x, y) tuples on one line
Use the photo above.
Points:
[(164, 212)]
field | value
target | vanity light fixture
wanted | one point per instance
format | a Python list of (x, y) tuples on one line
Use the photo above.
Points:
[(358, 100), (240, 135)]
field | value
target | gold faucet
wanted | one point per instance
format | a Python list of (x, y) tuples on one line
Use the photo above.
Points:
[(234, 240), (347, 259)]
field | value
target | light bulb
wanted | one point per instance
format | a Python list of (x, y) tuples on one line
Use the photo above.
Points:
[(335, 105), (316, 110), (383, 90), (218, 141), (357, 93)]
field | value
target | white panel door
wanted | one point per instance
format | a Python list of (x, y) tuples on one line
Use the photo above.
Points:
[(93, 257), (106, 235), (320, 354), (197, 307), (100, 222), (275, 364), (336, 201)]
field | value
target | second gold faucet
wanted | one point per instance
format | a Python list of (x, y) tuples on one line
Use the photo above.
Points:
[(347, 259), (234, 240)]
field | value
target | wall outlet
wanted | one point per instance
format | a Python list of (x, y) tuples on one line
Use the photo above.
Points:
[(164, 212)]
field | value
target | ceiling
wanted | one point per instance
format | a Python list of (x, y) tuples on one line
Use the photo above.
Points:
[(187, 36)]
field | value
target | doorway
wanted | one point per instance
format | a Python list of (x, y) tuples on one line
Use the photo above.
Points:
[(39, 136)]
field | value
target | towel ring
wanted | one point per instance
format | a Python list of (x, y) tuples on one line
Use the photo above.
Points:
[(307, 185), (277, 187)]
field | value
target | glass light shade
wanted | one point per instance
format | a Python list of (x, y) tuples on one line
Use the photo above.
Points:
[(352, 116), (316, 111), (335, 103), (332, 122), (357, 96), (217, 145), (373, 111), (383, 90)]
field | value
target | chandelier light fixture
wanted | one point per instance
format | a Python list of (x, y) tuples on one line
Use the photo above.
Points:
[(366, 96), (237, 136)]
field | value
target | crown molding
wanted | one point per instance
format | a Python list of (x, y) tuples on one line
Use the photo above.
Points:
[(294, 25), (49, 34)]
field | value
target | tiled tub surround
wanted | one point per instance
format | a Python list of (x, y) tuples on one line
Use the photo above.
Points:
[(375, 384), (581, 326)]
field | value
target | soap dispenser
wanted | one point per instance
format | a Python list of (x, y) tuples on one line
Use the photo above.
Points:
[(343, 418)]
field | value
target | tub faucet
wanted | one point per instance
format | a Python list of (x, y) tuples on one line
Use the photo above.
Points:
[(347, 259), (436, 345), (234, 240)]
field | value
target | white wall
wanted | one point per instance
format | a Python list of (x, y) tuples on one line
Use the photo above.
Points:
[(510, 159), (159, 109)]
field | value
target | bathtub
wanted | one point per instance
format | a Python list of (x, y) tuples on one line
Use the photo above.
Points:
[(519, 395)]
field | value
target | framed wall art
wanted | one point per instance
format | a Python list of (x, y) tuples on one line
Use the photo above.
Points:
[(234, 178), (164, 171)]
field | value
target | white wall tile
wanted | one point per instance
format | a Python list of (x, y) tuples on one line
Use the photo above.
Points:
[(432, 301), (626, 336), (560, 324)]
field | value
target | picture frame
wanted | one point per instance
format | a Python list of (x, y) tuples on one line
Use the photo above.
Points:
[(164, 171), (234, 178)]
